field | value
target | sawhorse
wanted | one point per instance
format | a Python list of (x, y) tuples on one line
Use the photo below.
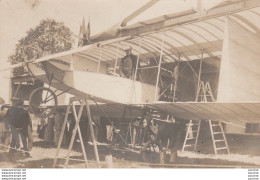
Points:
[(83, 102)]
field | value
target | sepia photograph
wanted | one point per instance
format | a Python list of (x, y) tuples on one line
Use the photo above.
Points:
[(130, 84)]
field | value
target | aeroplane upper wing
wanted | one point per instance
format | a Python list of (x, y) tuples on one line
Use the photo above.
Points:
[(186, 34)]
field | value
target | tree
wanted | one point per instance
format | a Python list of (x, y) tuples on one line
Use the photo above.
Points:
[(49, 36)]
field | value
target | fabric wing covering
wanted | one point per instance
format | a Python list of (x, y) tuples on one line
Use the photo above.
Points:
[(233, 113), (239, 73), (239, 83)]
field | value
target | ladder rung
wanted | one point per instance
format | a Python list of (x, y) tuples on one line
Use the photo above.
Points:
[(217, 133), (192, 131), (221, 148), (219, 140), (215, 125), (195, 124), (189, 145), (191, 138)]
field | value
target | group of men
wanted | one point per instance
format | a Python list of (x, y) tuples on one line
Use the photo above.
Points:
[(16, 121)]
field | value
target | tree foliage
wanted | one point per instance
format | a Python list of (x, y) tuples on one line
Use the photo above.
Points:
[(49, 37)]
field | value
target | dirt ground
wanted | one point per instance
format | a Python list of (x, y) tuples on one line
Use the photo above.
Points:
[(244, 153)]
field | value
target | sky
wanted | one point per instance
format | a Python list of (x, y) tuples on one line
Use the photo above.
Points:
[(18, 16)]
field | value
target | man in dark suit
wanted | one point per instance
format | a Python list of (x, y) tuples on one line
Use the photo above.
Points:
[(19, 120), (128, 64)]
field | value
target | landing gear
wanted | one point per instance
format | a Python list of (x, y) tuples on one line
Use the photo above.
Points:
[(43, 102)]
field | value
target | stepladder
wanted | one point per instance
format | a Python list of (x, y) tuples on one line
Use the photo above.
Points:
[(204, 94), (81, 102), (218, 137), (192, 135)]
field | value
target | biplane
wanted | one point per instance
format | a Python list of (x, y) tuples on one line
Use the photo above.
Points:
[(160, 44), (174, 55)]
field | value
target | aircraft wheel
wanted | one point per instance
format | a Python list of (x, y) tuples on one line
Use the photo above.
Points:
[(43, 102)]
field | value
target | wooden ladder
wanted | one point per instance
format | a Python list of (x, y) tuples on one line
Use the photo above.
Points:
[(192, 135), (218, 137), (219, 140)]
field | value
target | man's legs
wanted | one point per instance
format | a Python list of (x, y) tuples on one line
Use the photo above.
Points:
[(30, 138), (7, 140), (7, 135), (15, 138), (25, 145)]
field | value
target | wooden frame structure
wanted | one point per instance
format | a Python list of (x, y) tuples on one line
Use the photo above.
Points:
[(83, 103)]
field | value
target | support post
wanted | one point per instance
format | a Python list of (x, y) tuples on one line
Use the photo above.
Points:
[(80, 137), (92, 131), (199, 78), (117, 51), (100, 57), (74, 132), (61, 135), (159, 68), (138, 57), (136, 68), (176, 77)]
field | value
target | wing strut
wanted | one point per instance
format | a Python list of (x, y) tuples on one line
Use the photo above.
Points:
[(110, 121), (138, 11)]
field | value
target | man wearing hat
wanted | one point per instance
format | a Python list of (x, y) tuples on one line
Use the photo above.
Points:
[(128, 64), (19, 120)]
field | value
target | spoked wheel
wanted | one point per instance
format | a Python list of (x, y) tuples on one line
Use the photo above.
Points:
[(43, 102)]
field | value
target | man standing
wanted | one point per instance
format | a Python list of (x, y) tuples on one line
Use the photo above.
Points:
[(128, 64), (19, 120)]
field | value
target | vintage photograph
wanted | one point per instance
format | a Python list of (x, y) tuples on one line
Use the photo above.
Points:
[(129, 84)]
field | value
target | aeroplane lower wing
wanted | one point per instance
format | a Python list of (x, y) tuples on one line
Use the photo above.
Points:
[(234, 113), (112, 110), (230, 113)]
